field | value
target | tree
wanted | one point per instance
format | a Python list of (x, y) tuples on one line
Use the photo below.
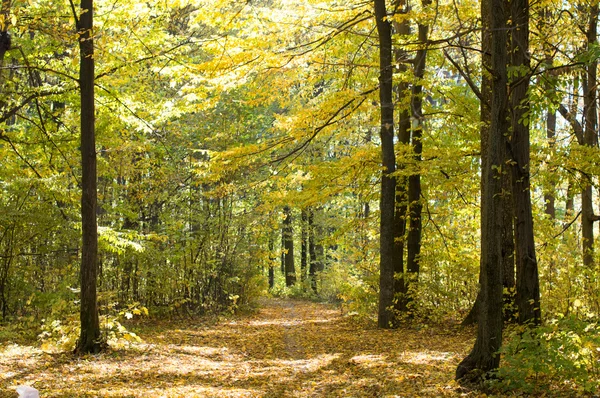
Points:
[(528, 289), (403, 135), (304, 259), (388, 184), (288, 247), (89, 338), (590, 136), (415, 205), (484, 355)]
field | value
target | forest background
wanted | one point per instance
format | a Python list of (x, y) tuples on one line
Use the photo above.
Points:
[(239, 152)]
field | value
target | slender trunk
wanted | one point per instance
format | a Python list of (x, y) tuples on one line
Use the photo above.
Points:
[(550, 195), (282, 256), (415, 206), (485, 117), (388, 183), (312, 252), (89, 338), (590, 139), (303, 244), (401, 206), (272, 259), (5, 40), (288, 232), (484, 356)]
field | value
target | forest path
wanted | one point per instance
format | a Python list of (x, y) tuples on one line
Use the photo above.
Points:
[(289, 348)]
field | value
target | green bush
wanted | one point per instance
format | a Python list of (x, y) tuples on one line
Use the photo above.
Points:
[(565, 351), (61, 329)]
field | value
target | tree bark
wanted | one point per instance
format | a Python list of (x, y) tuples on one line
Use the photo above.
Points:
[(415, 206), (401, 205), (388, 184), (508, 251), (288, 233), (303, 244), (528, 287), (550, 195), (89, 338), (484, 357), (484, 117), (272, 259), (315, 250), (590, 139)]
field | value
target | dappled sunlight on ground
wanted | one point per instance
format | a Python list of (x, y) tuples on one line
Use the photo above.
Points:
[(287, 349)]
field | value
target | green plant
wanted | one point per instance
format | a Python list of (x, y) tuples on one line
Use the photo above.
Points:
[(61, 330), (563, 351)]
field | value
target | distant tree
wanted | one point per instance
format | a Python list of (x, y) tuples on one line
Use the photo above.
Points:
[(303, 244), (288, 242)]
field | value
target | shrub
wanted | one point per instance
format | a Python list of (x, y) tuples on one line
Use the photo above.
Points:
[(563, 351)]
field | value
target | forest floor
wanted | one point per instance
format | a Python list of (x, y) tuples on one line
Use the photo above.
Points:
[(288, 348)]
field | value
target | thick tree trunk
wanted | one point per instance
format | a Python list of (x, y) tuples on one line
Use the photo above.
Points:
[(89, 338), (288, 233), (484, 357), (528, 288), (388, 183)]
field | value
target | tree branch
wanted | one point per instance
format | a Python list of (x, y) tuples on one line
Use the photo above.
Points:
[(332, 120), (570, 117), (467, 78)]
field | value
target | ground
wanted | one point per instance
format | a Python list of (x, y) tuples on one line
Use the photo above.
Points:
[(288, 348)]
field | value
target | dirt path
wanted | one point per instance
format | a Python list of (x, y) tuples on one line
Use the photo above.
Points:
[(288, 349)]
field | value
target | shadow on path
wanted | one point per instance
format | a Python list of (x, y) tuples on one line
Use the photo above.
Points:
[(289, 348)]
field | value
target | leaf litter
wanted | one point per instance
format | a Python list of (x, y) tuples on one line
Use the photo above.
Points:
[(288, 348)]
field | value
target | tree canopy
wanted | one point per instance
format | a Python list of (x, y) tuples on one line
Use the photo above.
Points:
[(413, 161)]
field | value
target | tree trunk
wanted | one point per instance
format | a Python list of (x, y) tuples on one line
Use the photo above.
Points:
[(484, 357), (528, 288), (549, 88), (303, 244), (272, 259), (288, 233), (315, 251), (282, 256), (415, 206), (5, 40), (508, 250), (485, 117), (550, 195), (590, 139), (89, 338), (388, 183), (401, 205)]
